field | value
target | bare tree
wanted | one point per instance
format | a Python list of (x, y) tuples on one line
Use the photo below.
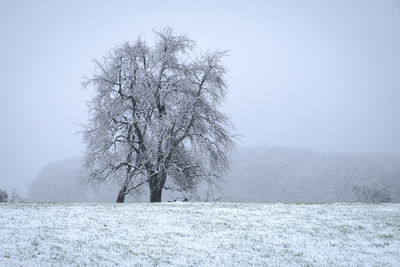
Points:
[(155, 117), (371, 194), (16, 197)]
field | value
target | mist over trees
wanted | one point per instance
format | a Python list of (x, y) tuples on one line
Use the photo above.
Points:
[(155, 117), (62, 181), (268, 174), (258, 174)]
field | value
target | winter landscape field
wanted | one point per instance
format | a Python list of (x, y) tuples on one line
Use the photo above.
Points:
[(201, 234)]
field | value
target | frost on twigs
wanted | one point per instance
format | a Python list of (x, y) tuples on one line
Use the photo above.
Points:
[(154, 117)]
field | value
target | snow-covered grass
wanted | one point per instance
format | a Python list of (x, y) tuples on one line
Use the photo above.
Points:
[(206, 234)]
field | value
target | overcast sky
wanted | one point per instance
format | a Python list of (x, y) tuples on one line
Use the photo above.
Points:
[(323, 75)]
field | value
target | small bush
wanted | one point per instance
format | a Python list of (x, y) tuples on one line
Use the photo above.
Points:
[(3, 195)]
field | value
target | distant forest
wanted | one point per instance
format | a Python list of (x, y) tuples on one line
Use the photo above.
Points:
[(258, 174)]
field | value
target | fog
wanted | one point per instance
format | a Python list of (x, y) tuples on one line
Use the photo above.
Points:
[(258, 174), (320, 75)]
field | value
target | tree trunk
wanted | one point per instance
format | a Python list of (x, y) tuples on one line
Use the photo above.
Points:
[(155, 195), (121, 195)]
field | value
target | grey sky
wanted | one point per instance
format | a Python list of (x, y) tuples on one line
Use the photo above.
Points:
[(315, 74)]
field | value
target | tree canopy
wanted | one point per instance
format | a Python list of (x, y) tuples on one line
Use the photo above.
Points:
[(155, 116)]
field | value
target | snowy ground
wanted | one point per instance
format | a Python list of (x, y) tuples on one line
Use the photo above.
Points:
[(206, 234)]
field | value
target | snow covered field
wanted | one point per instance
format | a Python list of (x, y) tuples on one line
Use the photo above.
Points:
[(206, 234)]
